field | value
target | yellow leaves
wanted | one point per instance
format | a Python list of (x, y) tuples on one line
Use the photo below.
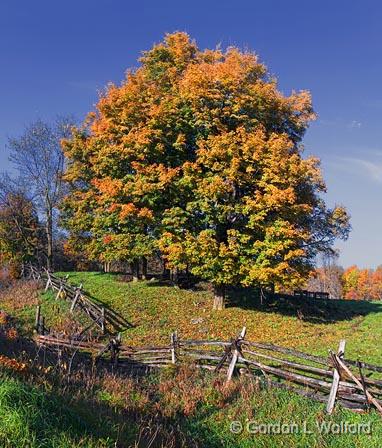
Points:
[(180, 141), (294, 254), (145, 213)]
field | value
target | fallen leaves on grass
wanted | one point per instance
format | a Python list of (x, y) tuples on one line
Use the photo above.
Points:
[(20, 294), (12, 364)]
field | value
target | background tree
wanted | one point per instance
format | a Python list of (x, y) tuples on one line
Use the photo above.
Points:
[(376, 288), (362, 284), (20, 233), (198, 153), (328, 277), (38, 157)]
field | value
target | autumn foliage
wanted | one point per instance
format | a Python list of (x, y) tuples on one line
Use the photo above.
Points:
[(197, 155), (19, 232), (362, 283)]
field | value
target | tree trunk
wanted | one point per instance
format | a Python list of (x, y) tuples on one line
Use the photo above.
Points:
[(175, 276), (49, 239), (134, 265), (166, 273), (144, 268), (106, 266), (219, 297)]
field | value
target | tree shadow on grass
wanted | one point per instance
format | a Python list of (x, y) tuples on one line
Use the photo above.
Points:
[(115, 322), (309, 310)]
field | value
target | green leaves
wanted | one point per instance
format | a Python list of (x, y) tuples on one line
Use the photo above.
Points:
[(197, 153)]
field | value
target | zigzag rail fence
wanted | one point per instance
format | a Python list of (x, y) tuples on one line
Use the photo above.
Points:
[(104, 318), (330, 380)]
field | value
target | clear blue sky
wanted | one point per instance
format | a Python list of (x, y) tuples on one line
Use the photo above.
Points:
[(56, 55)]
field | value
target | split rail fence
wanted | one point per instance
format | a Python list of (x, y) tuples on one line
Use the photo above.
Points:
[(334, 379), (103, 318), (353, 384)]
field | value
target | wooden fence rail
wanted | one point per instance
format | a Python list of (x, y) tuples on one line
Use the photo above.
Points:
[(103, 318), (331, 380)]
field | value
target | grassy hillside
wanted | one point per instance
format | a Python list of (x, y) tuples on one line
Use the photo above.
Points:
[(156, 310), (179, 403)]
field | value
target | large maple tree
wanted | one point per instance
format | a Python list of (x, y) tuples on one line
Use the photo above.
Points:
[(198, 154)]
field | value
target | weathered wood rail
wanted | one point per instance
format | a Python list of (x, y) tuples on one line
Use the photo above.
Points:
[(331, 380), (104, 318)]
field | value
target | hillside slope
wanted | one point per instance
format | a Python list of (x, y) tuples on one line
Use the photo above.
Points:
[(156, 310)]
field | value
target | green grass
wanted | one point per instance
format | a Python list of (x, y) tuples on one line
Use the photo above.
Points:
[(157, 310), (196, 406), (273, 407), (202, 409), (34, 416), (182, 405)]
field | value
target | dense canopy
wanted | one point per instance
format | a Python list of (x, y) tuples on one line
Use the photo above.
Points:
[(197, 155)]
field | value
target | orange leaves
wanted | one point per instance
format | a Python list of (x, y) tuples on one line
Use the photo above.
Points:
[(12, 364), (3, 317), (362, 284), (145, 213), (109, 187), (197, 153), (131, 210), (107, 239), (227, 70), (127, 209), (301, 103)]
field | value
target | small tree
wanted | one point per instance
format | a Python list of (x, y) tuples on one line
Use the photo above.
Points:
[(38, 157), (20, 235)]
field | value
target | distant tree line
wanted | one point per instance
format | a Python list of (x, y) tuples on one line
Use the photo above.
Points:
[(352, 283)]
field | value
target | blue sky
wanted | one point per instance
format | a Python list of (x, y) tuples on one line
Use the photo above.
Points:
[(56, 56)]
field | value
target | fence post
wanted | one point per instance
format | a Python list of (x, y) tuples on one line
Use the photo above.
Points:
[(336, 379), (42, 325), (48, 282), (76, 297), (368, 395), (37, 319), (235, 355), (114, 349), (174, 341), (61, 288), (103, 329)]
